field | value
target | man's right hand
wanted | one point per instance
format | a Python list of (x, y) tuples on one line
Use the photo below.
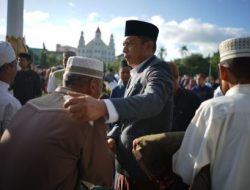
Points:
[(85, 108)]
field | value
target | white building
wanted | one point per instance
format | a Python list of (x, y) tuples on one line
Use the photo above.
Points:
[(96, 48), (60, 48)]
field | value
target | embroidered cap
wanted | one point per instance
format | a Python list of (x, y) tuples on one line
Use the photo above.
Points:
[(141, 28), (7, 54), (85, 66), (234, 48)]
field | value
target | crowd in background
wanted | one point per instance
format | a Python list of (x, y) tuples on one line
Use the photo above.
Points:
[(145, 127), (112, 79)]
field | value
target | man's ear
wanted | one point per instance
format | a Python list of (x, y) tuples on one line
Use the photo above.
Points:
[(224, 72), (93, 87), (149, 45)]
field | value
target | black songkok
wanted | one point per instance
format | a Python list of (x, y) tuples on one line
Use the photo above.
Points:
[(141, 28)]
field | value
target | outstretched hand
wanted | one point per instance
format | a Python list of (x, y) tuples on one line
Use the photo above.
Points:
[(84, 107)]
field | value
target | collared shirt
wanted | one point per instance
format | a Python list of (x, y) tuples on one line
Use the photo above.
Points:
[(113, 115), (219, 135), (8, 106)]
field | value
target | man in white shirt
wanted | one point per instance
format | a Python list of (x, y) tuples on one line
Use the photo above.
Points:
[(219, 133), (56, 77), (8, 67)]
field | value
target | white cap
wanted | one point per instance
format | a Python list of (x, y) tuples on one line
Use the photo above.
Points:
[(85, 66), (7, 54), (234, 48)]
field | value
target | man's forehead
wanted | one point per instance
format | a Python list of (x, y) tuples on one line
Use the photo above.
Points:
[(131, 38)]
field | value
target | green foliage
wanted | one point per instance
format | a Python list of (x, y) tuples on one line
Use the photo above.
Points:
[(184, 51), (43, 58), (196, 63), (53, 59), (162, 53), (114, 65), (35, 57), (214, 60)]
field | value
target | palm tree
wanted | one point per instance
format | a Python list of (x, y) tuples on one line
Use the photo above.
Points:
[(184, 51), (162, 53)]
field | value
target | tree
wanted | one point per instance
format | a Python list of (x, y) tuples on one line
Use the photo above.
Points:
[(53, 60), (115, 65), (162, 53), (196, 63), (193, 64), (35, 58), (43, 58), (184, 51), (214, 60)]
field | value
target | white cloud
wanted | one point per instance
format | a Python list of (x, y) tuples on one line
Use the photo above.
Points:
[(35, 17), (71, 4), (199, 37), (93, 17)]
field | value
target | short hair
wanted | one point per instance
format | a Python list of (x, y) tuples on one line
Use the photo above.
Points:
[(76, 79), (124, 63), (239, 67), (146, 39), (26, 56), (69, 53), (202, 75)]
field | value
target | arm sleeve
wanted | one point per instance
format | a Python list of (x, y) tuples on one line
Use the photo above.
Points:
[(199, 144), (112, 112), (146, 101)]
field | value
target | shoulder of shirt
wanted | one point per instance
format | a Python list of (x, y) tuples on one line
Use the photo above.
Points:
[(220, 105), (53, 101), (58, 73), (10, 99)]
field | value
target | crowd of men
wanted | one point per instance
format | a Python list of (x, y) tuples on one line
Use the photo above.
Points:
[(154, 131)]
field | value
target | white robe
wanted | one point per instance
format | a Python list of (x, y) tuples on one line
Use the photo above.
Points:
[(8, 106), (219, 135)]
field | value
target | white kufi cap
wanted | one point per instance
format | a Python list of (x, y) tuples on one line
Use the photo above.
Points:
[(85, 66), (7, 54), (234, 48)]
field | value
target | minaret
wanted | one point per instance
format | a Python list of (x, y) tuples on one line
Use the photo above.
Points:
[(15, 25), (98, 34), (112, 45), (81, 45), (111, 42), (81, 41)]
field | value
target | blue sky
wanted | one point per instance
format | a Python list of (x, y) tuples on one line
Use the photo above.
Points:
[(198, 24)]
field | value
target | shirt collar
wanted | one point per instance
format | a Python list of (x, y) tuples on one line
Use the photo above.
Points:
[(137, 68), (5, 86), (239, 88)]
